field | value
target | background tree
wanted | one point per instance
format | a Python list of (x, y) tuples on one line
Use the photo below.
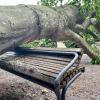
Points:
[(49, 3), (86, 11), (86, 7)]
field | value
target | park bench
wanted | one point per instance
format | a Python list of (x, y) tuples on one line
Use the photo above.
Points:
[(55, 69)]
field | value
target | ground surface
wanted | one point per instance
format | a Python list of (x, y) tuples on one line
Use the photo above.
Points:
[(86, 87)]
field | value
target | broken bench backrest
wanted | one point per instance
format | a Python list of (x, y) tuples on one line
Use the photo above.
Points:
[(42, 65)]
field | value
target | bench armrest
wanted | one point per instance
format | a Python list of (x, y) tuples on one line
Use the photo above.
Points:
[(65, 70)]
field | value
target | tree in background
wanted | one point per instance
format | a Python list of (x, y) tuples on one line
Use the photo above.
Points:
[(49, 3), (86, 7), (85, 10), (38, 22)]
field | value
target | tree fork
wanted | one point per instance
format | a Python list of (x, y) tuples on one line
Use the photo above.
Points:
[(82, 43), (23, 23)]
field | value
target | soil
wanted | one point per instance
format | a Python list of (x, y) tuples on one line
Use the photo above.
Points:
[(86, 87)]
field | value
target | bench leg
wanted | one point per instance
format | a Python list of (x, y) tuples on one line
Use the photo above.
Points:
[(67, 85), (64, 93), (60, 93)]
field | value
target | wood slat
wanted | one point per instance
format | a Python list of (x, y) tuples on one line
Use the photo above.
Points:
[(41, 63), (44, 67), (56, 61), (30, 66), (50, 58), (53, 69), (46, 63), (36, 66), (53, 59), (39, 66), (35, 74)]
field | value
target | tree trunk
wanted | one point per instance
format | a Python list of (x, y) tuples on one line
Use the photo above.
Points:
[(24, 23), (82, 43)]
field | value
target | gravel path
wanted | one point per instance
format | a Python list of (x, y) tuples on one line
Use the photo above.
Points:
[(86, 87)]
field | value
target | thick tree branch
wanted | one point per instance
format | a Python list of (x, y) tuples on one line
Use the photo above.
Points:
[(82, 43), (84, 27), (22, 23)]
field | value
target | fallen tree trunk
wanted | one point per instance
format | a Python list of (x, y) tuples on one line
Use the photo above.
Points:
[(24, 23)]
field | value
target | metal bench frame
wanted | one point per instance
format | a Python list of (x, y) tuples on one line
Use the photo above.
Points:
[(56, 87), (61, 93)]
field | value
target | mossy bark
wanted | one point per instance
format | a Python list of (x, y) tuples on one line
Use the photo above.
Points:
[(24, 23)]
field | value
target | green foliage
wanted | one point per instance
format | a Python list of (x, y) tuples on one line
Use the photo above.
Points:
[(74, 2), (97, 8), (70, 44), (87, 6), (87, 37), (40, 43), (49, 3), (96, 60), (96, 48)]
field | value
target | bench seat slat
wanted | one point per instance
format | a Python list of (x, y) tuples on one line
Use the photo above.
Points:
[(39, 63), (35, 73), (56, 61), (42, 64), (40, 68), (44, 67), (45, 62), (64, 59), (28, 66), (47, 65), (60, 61)]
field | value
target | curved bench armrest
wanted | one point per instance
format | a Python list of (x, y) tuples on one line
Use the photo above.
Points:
[(65, 70)]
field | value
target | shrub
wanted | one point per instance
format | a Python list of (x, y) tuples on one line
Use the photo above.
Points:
[(96, 60)]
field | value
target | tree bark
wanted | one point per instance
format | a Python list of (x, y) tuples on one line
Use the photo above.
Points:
[(24, 23), (81, 43)]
